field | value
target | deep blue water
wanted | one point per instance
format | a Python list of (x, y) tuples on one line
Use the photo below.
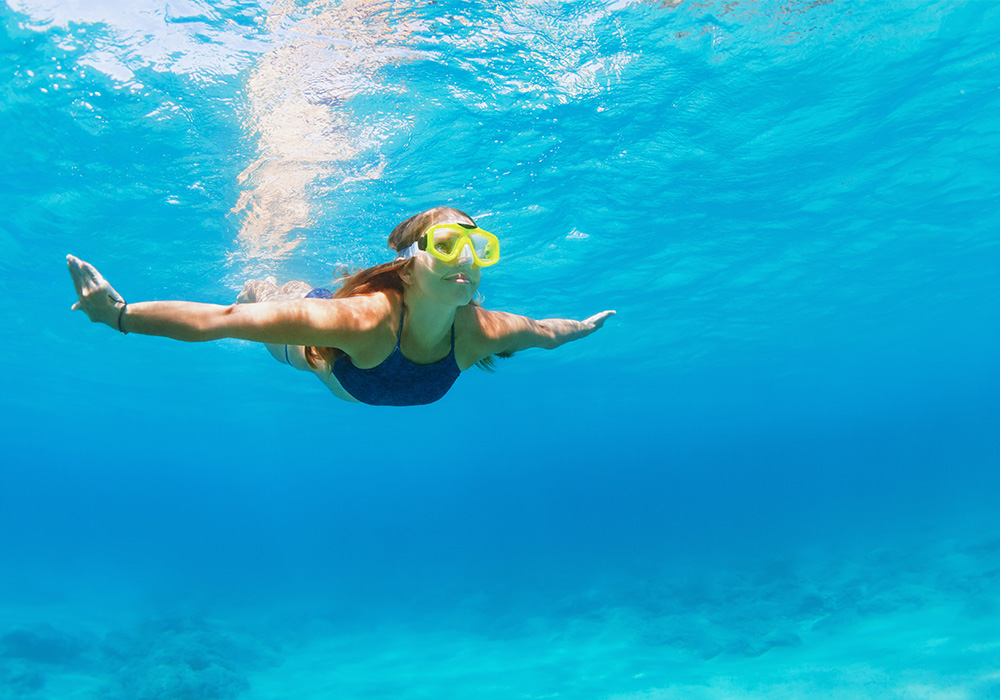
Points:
[(772, 475)]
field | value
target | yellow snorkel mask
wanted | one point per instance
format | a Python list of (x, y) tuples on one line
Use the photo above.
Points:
[(447, 241)]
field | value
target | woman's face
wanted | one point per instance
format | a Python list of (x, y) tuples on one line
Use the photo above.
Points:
[(453, 283)]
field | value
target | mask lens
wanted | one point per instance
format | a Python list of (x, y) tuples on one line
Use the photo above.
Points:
[(480, 243), (445, 241), (486, 250)]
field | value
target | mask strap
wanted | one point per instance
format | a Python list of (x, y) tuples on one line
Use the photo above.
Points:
[(409, 251)]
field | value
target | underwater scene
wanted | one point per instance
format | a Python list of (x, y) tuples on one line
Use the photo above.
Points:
[(774, 473)]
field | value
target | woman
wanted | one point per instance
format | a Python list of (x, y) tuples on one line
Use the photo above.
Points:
[(396, 334)]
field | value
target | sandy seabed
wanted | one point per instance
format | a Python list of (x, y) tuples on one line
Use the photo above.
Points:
[(916, 620)]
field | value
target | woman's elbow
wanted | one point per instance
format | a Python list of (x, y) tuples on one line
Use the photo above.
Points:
[(548, 339), (221, 323)]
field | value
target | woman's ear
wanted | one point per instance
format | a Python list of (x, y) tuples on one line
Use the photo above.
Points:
[(406, 272)]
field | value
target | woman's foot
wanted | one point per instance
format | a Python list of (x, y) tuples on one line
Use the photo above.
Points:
[(257, 290), (267, 289)]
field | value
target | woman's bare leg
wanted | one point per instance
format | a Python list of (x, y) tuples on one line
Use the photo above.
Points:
[(267, 289)]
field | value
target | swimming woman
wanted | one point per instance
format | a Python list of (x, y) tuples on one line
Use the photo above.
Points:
[(397, 334)]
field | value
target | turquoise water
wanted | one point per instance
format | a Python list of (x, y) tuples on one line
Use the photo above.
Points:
[(773, 474)]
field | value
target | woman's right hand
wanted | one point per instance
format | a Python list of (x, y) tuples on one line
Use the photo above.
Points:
[(98, 299)]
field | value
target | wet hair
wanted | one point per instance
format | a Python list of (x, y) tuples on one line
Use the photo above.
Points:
[(407, 233), (387, 277)]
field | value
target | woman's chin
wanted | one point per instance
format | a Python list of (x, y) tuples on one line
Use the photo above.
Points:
[(463, 292)]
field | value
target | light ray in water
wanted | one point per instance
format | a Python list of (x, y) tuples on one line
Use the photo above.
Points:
[(516, 58), (328, 53)]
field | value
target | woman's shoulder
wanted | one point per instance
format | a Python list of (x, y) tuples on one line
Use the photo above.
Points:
[(367, 312), (483, 323), (483, 332), (377, 303), (471, 319)]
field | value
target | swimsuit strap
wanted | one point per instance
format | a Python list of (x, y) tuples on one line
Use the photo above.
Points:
[(399, 333)]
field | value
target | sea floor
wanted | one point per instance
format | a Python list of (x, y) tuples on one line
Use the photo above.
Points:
[(918, 618)]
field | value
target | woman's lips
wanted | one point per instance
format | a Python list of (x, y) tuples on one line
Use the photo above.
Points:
[(460, 278)]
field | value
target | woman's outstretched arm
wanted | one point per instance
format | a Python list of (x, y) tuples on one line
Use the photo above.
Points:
[(292, 322), (504, 333)]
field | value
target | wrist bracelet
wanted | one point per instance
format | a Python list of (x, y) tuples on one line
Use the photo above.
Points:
[(121, 313)]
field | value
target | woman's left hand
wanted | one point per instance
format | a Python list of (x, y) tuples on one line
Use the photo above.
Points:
[(597, 320), (98, 299)]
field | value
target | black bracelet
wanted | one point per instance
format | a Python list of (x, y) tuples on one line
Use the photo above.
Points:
[(120, 314)]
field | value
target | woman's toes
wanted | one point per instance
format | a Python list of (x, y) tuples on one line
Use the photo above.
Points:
[(296, 288), (249, 293), (268, 289)]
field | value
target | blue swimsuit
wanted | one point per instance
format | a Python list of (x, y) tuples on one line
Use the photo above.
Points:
[(397, 381)]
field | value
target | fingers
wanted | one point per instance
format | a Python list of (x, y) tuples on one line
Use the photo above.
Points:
[(81, 272), (91, 270), (90, 273), (597, 320), (72, 264), (87, 278), (88, 282), (79, 279), (601, 316)]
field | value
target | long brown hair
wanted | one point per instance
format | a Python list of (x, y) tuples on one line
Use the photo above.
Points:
[(387, 277)]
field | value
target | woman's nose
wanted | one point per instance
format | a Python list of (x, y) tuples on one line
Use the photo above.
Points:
[(465, 255)]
